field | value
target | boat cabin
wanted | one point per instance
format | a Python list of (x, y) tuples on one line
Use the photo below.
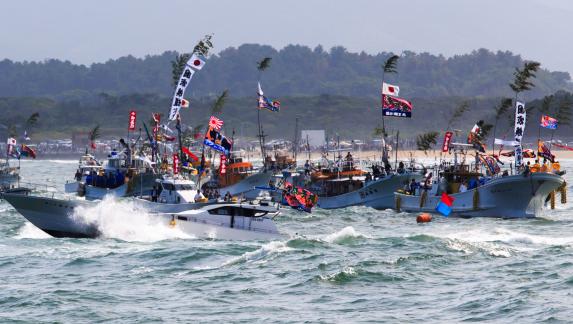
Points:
[(175, 191)]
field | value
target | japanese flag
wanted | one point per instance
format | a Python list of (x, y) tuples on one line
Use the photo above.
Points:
[(390, 90), (184, 103), (196, 62), (11, 141)]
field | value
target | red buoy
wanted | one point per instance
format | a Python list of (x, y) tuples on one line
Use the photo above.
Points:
[(424, 218)]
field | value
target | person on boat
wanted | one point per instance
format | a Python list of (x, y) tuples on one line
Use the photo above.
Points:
[(527, 169), (154, 194), (368, 177), (198, 196), (463, 187), (349, 161), (307, 167), (376, 171), (78, 175), (428, 182), (505, 173), (413, 187), (401, 168), (271, 184), (228, 196), (473, 183), (443, 186), (89, 178)]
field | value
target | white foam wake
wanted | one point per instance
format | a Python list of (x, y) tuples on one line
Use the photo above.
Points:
[(125, 221)]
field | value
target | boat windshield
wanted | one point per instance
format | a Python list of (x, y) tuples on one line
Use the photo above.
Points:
[(184, 187)]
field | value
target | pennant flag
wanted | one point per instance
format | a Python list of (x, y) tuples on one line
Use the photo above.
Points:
[(168, 138), (28, 151), (548, 122), (396, 107), (266, 103), (189, 154), (474, 137), (445, 205), (184, 103), (215, 123), (544, 151), (390, 90), (528, 154), (491, 165), (196, 61), (217, 141)]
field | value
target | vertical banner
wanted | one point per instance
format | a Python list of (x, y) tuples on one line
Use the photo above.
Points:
[(223, 164), (520, 119), (195, 63), (447, 141), (132, 118), (175, 164)]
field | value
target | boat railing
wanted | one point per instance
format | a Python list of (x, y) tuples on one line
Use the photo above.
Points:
[(42, 189)]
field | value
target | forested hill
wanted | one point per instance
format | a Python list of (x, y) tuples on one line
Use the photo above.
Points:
[(295, 71)]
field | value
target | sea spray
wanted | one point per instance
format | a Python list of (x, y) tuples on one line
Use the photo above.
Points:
[(125, 221), (345, 235)]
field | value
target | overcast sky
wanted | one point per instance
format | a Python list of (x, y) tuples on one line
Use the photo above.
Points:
[(95, 31)]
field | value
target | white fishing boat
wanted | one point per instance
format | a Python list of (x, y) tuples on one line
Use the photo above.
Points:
[(515, 196), (475, 194)]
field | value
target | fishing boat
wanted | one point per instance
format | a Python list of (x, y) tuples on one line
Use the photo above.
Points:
[(120, 176), (218, 220), (476, 194), (239, 179), (344, 184), (9, 175)]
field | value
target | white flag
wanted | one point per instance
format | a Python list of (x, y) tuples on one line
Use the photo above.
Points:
[(11, 141), (260, 90), (390, 90), (508, 143), (184, 103), (196, 62)]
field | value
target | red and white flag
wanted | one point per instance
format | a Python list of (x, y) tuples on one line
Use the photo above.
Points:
[(390, 90), (215, 123), (196, 62), (184, 103)]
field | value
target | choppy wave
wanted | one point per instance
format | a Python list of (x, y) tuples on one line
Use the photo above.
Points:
[(345, 235)]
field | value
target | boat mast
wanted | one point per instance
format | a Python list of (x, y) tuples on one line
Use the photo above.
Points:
[(295, 142)]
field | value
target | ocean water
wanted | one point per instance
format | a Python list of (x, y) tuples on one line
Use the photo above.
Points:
[(350, 265)]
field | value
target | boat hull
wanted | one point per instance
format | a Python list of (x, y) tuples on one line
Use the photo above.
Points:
[(505, 197), (53, 216), (246, 187), (378, 194)]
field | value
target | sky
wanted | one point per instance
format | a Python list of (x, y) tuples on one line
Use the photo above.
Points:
[(95, 31)]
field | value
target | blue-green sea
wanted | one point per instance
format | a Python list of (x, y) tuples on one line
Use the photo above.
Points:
[(343, 266)]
